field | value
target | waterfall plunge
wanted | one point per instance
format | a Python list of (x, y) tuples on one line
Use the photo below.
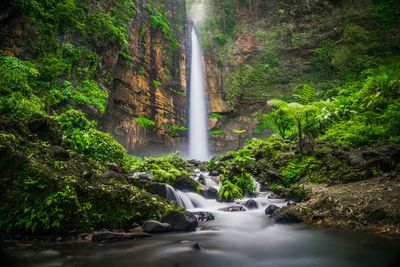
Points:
[(198, 140)]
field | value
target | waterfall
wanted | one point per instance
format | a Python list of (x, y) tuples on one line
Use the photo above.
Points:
[(198, 139), (179, 197)]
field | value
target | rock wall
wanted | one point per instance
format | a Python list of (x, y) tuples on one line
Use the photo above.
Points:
[(154, 87)]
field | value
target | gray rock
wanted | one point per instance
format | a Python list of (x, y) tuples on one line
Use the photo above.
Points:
[(209, 192), (285, 215), (270, 209), (234, 208), (152, 226), (203, 216), (181, 220), (109, 236), (251, 204)]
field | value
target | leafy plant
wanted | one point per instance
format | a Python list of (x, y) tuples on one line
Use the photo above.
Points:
[(144, 122), (229, 191)]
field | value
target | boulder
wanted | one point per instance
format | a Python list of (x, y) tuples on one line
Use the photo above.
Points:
[(285, 215), (291, 203), (203, 216), (185, 183), (46, 129), (152, 226), (273, 196), (209, 192), (214, 173), (270, 209), (181, 220), (109, 236), (251, 204), (234, 208)]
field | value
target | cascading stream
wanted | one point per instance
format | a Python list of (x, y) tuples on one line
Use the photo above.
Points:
[(198, 139)]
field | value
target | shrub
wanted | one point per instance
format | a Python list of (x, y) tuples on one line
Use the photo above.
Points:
[(144, 122), (229, 191), (82, 136)]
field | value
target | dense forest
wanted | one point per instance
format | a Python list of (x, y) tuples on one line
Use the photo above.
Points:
[(303, 101)]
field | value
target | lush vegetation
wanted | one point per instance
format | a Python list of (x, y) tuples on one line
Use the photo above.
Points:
[(60, 173)]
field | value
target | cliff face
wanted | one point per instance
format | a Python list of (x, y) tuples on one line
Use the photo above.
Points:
[(154, 87), (258, 50), (145, 79)]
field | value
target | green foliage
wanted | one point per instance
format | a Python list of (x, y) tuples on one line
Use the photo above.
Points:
[(159, 22), (175, 131), (166, 169), (88, 93), (81, 136), (305, 94), (352, 54), (322, 64), (217, 132), (16, 75), (22, 107), (144, 122), (215, 115), (156, 84), (296, 169), (229, 191)]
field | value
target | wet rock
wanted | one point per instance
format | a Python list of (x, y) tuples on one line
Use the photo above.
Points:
[(185, 183), (109, 236), (181, 220), (156, 189), (152, 226), (203, 216), (291, 203), (214, 173), (234, 208), (209, 192), (251, 204), (197, 246), (285, 215), (202, 179), (270, 209)]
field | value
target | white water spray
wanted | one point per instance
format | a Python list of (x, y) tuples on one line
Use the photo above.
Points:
[(198, 139)]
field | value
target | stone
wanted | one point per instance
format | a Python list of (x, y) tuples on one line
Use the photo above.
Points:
[(273, 196), (181, 220), (109, 236), (270, 209), (152, 226), (203, 216), (214, 173), (285, 215), (251, 204), (234, 208), (209, 192), (291, 203)]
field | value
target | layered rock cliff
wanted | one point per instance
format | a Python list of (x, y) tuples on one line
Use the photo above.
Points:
[(155, 86), (137, 53)]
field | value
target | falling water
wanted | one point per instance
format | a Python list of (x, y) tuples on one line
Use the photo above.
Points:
[(179, 197), (198, 141)]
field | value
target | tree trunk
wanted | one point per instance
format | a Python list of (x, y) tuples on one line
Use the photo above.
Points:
[(300, 135)]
